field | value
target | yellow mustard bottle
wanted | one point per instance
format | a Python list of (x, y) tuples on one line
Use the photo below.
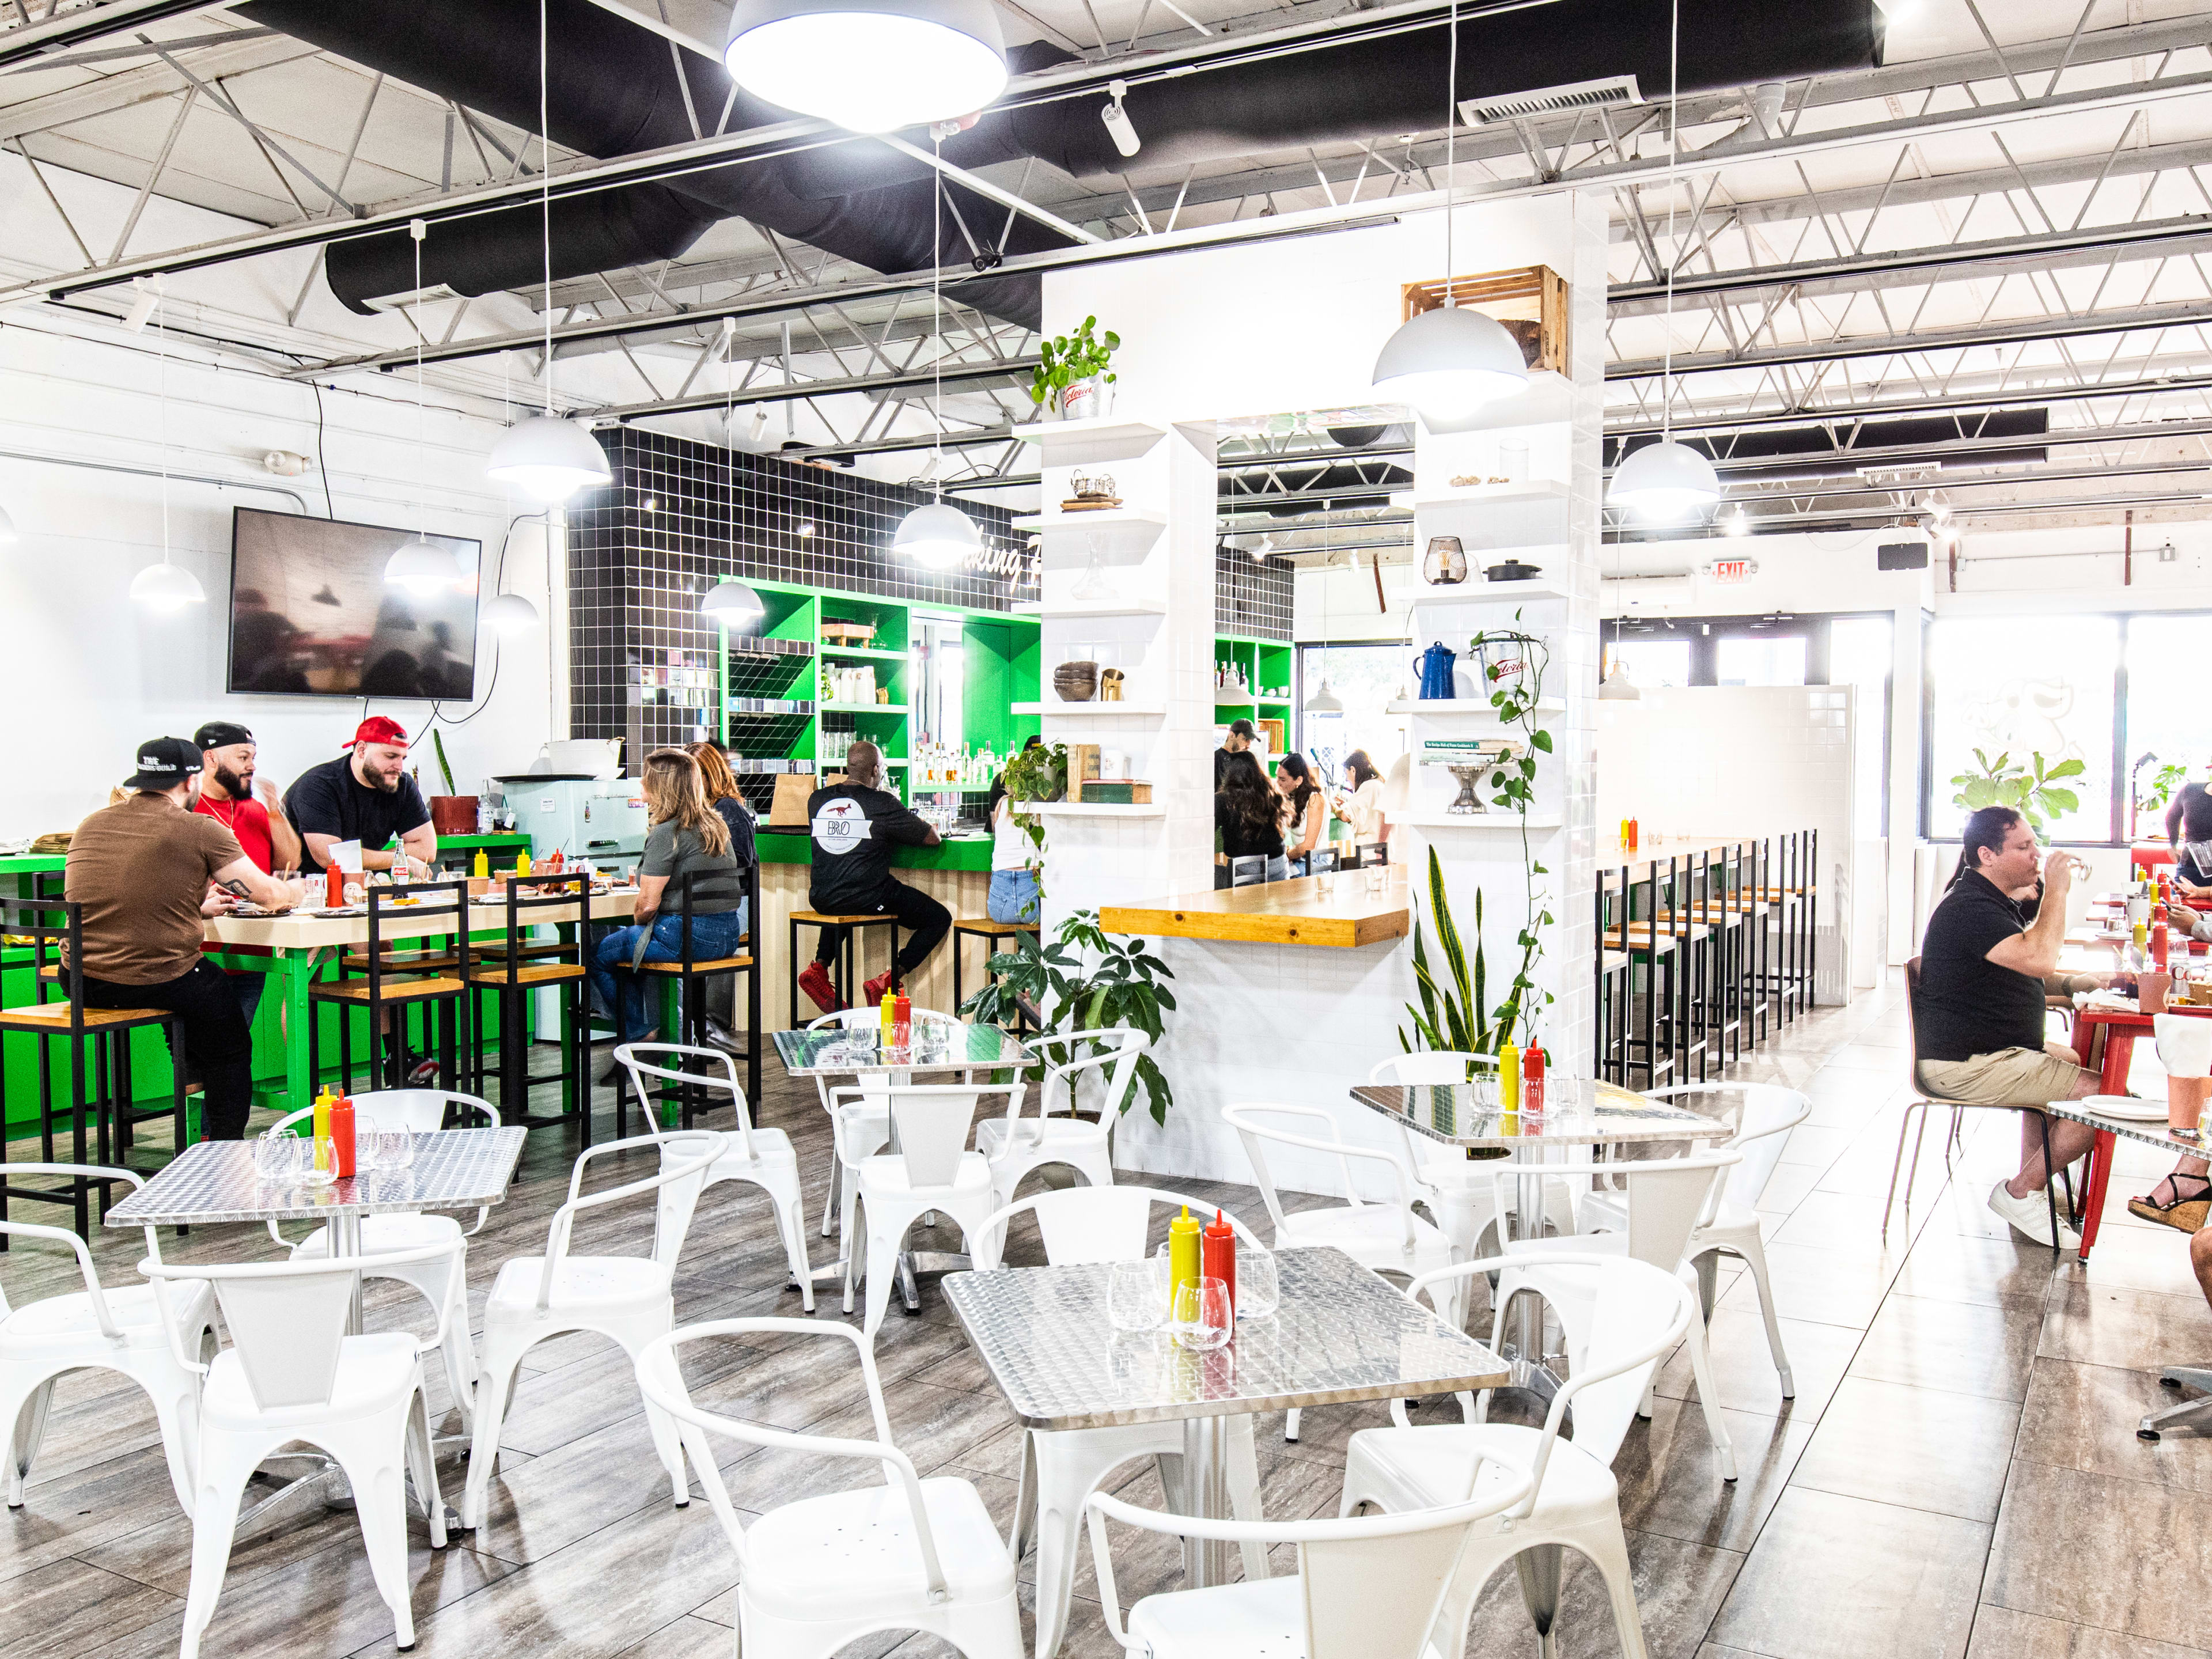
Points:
[(483, 865), (522, 864), (1184, 1235), (1509, 1079), (324, 1103)]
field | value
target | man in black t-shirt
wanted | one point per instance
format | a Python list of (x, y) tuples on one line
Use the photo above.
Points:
[(856, 825), (364, 795), (1238, 738)]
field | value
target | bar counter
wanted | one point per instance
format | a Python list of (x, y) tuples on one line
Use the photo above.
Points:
[(1335, 910)]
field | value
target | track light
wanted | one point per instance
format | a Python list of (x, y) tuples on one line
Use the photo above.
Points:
[(1118, 126)]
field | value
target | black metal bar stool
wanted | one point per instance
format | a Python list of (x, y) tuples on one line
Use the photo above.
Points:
[(55, 929), (516, 965), (687, 970), (387, 985), (846, 977)]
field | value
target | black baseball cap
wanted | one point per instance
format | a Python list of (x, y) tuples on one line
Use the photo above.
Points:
[(220, 734), (1242, 729), (165, 762)]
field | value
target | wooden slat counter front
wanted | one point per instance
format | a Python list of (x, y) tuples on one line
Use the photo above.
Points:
[(1328, 910)]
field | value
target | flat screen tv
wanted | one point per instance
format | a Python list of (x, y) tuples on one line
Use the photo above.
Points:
[(311, 614)]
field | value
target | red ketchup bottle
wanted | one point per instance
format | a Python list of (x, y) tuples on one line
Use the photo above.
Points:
[(1217, 1255), (2157, 947), (333, 886), (1532, 1079), (903, 1020), (341, 1135)]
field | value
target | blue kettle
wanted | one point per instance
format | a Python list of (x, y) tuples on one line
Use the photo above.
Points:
[(1436, 672)]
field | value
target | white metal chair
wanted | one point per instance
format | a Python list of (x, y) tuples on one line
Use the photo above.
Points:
[(932, 1169), (755, 1156), (423, 1110), (624, 1299), (1062, 1468), (292, 1373), (117, 1330), (860, 1122), (1765, 1114), (1636, 1313), (1458, 1189), (1014, 1146), (1668, 1201), (1367, 1586), (1385, 1238), (817, 1575)]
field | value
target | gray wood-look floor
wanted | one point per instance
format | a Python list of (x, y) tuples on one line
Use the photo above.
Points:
[(1958, 1473)]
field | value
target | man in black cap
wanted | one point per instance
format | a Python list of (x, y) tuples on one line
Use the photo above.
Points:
[(857, 825), (1241, 734), (228, 752), (148, 871)]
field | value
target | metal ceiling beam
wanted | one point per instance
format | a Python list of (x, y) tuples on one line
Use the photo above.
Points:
[(1010, 369), (1913, 454), (1690, 420), (1948, 486), (2135, 319), (91, 23), (255, 50)]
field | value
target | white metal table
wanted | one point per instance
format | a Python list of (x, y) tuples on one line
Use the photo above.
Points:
[(1340, 1333), (1581, 1114), (214, 1182)]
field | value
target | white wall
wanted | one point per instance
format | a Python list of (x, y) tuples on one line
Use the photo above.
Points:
[(87, 675)]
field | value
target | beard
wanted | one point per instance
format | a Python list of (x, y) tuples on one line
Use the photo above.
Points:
[(384, 783), (237, 786)]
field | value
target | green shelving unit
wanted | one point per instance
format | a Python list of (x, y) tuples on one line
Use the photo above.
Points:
[(775, 714), (1264, 663)]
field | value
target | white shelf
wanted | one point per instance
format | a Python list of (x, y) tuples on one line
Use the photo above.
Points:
[(1091, 610), (1149, 711), (1120, 529), (1481, 821), (1101, 809), (1529, 490), (1464, 708), (862, 707), (1483, 592), (1082, 443)]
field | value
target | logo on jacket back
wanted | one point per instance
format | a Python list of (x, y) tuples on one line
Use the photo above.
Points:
[(840, 826)]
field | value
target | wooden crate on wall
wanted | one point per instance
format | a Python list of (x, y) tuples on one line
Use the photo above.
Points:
[(1531, 301)]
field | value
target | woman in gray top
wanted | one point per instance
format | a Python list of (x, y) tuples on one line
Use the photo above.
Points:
[(687, 838)]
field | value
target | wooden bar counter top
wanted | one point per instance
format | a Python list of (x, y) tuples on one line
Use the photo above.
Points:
[(1333, 910)]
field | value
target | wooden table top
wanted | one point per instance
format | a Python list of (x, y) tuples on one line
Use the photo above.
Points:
[(1334, 910)]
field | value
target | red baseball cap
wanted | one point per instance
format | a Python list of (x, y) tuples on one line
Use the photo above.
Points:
[(378, 729)]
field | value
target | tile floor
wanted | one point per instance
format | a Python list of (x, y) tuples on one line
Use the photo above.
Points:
[(1958, 1473)]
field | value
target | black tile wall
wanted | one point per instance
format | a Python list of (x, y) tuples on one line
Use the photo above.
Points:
[(1248, 599)]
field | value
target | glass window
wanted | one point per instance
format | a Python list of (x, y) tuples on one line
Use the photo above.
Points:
[(2021, 686), (1366, 679), (1758, 659), (1650, 663), (1859, 655), (2166, 679)]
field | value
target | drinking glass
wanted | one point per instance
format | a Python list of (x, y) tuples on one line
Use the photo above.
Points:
[(1136, 1296), (367, 1152), (395, 1146), (1203, 1322), (276, 1157), (323, 1168), (1259, 1290)]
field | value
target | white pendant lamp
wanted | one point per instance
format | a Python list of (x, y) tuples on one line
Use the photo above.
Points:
[(544, 458), (1616, 687), (735, 605), (1324, 702), (938, 536), (869, 66), (7, 529), (1449, 362), (1666, 483), (167, 587), (510, 613), (420, 568)]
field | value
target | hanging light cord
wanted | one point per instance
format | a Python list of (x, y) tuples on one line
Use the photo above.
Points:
[(161, 350), (1674, 153), (937, 314), (1451, 125), (415, 319), (546, 194)]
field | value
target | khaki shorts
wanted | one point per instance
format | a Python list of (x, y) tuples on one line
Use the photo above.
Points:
[(2010, 1077)]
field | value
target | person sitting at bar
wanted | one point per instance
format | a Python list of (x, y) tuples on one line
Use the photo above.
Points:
[(226, 795), (728, 800), (1360, 806), (149, 872), (856, 824), (1238, 741), (686, 837), (1248, 820), (364, 795), (2189, 827), (1305, 810)]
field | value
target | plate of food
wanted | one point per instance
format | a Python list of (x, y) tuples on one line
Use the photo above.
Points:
[(2134, 1109)]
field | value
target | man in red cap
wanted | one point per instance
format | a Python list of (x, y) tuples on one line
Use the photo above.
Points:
[(364, 795)]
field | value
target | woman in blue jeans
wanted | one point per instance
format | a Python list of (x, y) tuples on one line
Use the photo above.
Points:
[(1014, 896), (688, 837)]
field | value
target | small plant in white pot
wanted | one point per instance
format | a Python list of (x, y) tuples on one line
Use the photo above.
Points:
[(1072, 378)]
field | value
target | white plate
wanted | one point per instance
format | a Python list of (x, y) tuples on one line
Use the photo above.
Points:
[(2130, 1108)]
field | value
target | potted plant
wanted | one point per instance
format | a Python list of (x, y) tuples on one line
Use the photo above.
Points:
[(1072, 377), (2032, 792), (451, 813)]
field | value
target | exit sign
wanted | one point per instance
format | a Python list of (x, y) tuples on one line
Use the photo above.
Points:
[(1727, 572)]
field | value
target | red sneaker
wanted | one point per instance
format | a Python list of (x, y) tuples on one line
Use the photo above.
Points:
[(815, 981), (872, 993)]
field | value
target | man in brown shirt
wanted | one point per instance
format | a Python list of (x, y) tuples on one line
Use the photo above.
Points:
[(146, 873)]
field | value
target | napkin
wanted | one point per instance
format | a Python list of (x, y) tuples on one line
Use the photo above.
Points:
[(2184, 1044)]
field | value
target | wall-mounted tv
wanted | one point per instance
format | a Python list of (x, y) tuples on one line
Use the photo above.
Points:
[(311, 614)]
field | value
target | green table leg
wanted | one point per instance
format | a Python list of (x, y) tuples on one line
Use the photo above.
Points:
[(299, 974)]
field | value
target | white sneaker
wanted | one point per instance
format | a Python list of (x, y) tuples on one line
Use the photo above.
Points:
[(2030, 1218)]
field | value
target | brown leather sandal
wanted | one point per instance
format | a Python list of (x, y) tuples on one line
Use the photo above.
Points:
[(2188, 1215)]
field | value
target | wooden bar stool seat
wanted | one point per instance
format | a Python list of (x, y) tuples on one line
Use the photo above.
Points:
[(400, 981), (689, 972), (507, 970), (844, 976), (353, 961), (717, 965), (530, 973), (51, 1016), (409, 989), (529, 950)]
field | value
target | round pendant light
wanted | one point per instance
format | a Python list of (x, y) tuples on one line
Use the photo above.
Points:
[(869, 66), (167, 587), (510, 613), (937, 536), (1324, 702), (1664, 483), (420, 568), (735, 605), (1616, 687), (1449, 362), (549, 459)]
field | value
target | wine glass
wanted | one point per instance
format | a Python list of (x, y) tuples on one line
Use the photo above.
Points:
[(1136, 1299), (1202, 1319), (1258, 1287)]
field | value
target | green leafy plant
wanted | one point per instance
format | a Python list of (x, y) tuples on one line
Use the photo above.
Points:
[(2164, 784), (1451, 1017), (445, 771), (1514, 663), (1067, 358), (1085, 980), (2032, 790), (1035, 775)]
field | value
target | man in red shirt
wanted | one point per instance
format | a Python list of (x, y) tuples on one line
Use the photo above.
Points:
[(228, 752)]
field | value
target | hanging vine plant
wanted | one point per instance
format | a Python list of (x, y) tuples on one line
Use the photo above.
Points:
[(1514, 663)]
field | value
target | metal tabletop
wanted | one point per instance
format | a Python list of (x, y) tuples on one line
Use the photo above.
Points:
[(1340, 1333), (1578, 1112), (214, 1181), (934, 1046), (2151, 1131)]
